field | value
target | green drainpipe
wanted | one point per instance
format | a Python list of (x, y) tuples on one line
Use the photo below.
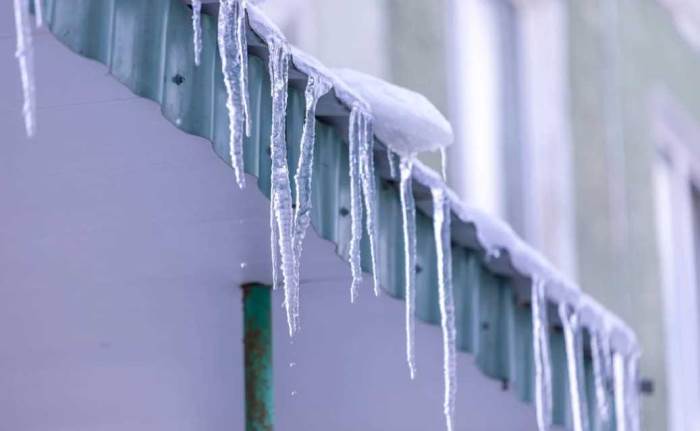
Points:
[(257, 340)]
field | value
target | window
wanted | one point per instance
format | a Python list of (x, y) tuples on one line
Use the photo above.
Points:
[(677, 201)]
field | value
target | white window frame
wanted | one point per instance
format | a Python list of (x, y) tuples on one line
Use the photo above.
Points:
[(676, 173)]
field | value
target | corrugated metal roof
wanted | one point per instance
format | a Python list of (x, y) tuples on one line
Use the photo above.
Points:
[(147, 45)]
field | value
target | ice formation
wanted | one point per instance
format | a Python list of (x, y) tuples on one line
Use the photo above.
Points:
[(601, 355), (405, 121), (572, 342), (392, 163), (364, 134), (25, 58), (443, 247), (197, 30), (408, 213), (443, 163), (625, 376), (316, 87), (234, 66), (620, 391), (540, 348), (355, 204), (274, 239), (281, 191)]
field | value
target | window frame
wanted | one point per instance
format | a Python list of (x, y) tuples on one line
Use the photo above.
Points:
[(676, 169)]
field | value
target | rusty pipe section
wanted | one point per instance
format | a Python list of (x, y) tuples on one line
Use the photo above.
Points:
[(257, 340)]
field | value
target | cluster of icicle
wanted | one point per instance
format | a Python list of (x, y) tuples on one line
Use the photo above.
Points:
[(25, 57), (441, 229), (234, 66), (290, 220), (608, 367)]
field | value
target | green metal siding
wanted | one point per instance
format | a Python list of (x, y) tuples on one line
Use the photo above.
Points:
[(147, 45)]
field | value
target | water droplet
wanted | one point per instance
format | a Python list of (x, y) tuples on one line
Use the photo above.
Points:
[(294, 393), (243, 265), (178, 121), (292, 364)]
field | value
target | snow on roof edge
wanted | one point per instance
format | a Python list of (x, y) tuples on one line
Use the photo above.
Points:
[(492, 232)]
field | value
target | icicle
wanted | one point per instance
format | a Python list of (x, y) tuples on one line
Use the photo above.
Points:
[(39, 13), (316, 87), (242, 47), (197, 30), (281, 196), (620, 388), (408, 212), (25, 58), (625, 377), (274, 238), (540, 347), (441, 228), (392, 162), (365, 139), (569, 320), (443, 163), (355, 202), (632, 402), (600, 353), (234, 65)]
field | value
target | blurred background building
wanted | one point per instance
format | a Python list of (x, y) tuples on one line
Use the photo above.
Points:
[(576, 121)]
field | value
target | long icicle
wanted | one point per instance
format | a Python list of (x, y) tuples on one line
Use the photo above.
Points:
[(197, 30), (369, 189), (620, 391), (25, 59), (600, 352), (316, 87), (569, 320), (441, 228), (540, 347), (355, 202), (274, 239), (408, 212), (233, 53), (281, 198), (242, 48)]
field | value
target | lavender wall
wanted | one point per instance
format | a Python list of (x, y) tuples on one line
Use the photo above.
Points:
[(121, 243)]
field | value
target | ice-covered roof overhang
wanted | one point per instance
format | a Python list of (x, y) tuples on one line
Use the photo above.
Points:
[(148, 47)]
